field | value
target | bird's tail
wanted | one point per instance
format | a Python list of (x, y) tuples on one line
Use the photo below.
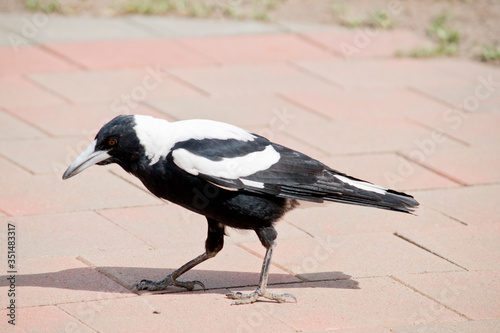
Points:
[(359, 192)]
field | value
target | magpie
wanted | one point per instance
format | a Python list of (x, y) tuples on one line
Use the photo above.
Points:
[(231, 176)]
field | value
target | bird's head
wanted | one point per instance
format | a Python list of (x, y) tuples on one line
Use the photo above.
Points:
[(116, 142)]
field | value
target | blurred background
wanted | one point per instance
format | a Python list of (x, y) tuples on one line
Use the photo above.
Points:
[(465, 28)]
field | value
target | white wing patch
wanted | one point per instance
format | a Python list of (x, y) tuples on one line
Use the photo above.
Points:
[(362, 185), (252, 183), (158, 136), (200, 129), (229, 168)]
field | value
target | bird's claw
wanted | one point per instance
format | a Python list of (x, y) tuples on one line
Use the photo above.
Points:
[(165, 283), (240, 298), (189, 285)]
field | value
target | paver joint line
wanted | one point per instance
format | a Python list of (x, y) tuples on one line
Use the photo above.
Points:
[(406, 239), (434, 170), (430, 297)]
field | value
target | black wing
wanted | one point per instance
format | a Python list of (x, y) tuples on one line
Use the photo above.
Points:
[(260, 166)]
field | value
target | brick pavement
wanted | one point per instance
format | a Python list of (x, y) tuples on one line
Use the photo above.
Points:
[(429, 127)]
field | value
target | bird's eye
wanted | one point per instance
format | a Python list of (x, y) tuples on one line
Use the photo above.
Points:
[(112, 142)]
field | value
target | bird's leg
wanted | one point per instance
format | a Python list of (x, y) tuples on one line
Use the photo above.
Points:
[(171, 279), (213, 244), (267, 237)]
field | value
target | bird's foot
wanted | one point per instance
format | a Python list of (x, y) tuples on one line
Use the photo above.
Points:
[(166, 282), (240, 298)]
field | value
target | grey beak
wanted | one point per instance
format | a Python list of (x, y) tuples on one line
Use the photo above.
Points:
[(86, 159)]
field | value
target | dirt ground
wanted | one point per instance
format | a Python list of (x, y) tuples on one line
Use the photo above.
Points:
[(476, 21)]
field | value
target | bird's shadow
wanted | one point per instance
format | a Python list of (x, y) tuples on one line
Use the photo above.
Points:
[(109, 279)]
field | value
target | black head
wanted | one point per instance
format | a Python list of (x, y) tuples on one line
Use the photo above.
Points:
[(116, 142)]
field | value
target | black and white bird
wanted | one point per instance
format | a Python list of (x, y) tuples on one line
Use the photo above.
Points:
[(233, 177)]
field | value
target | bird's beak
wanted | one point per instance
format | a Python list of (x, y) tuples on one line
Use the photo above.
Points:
[(86, 159)]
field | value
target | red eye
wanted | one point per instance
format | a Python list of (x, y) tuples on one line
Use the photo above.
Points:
[(112, 142)]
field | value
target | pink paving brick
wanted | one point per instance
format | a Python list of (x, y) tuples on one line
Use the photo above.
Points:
[(465, 68), (463, 327), (31, 59), (41, 194), (43, 319), (129, 53), (472, 247), (361, 303), (185, 312), (170, 226), (470, 165), (349, 136), (388, 170), (43, 156), (480, 93), (13, 128), (474, 205), (367, 43), (265, 111), (14, 90), (250, 80), (74, 234), (369, 103), (473, 294), (476, 128), (381, 73), (77, 120), (283, 138), (363, 329), (122, 89), (360, 255), (263, 114), (339, 219), (232, 267), (11, 171), (44, 281), (160, 226), (254, 49), (464, 96)]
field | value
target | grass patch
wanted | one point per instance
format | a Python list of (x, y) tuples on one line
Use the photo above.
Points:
[(379, 18), (47, 6), (262, 8), (490, 54), (353, 21), (158, 7), (446, 38), (236, 9)]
